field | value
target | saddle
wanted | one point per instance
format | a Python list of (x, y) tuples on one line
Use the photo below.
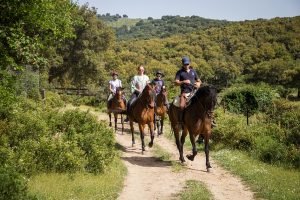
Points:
[(176, 100)]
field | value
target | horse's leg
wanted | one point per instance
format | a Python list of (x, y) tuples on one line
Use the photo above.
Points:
[(151, 126), (178, 144), (192, 139), (109, 114), (142, 135), (132, 132), (182, 140), (116, 120), (161, 124), (122, 122), (206, 149), (157, 124)]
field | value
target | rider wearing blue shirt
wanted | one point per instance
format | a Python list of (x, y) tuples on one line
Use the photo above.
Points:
[(187, 79)]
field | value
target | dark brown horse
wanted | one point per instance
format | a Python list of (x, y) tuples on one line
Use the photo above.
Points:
[(117, 106), (196, 121), (142, 112), (161, 110)]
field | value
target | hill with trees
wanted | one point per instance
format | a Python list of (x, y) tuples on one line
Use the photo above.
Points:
[(127, 28), (250, 51)]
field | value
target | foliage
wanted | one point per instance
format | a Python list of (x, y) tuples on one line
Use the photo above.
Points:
[(220, 55), (248, 99), (81, 57), (13, 185), (263, 139), (38, 138), (160, 28), (266, 181)]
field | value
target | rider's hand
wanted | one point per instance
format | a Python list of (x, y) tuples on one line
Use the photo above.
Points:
[(186, 81)]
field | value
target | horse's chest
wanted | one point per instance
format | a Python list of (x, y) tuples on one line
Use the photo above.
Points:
[(147, 115)]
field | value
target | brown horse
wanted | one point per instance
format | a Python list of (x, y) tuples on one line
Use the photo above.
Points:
[(160, 110), (142, 112), (196, 120), (117, 106)]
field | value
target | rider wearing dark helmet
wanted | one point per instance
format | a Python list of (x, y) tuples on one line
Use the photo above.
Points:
[(187, 78), (188, 81)]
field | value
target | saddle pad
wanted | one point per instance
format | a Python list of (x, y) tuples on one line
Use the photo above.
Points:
[(176, 101)]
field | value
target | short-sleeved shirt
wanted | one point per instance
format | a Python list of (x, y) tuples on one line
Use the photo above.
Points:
[(114, 84), (182, 75), (159, 83), (139, 82)]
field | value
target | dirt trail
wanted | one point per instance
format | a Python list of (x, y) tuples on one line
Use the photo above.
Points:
[(149, 178)]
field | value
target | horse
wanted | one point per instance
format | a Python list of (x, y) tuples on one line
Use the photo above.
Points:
[(117, 106), (142, 112), (197, 120), (160, 110)]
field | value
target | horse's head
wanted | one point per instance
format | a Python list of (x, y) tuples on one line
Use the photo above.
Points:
[(148, 95), (119, 92), (206, 96), (162, 96)]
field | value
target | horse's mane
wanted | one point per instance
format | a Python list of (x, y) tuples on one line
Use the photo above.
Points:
[(207, 96)]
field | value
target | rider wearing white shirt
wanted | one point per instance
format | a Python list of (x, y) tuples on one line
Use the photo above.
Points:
[(114, 84)]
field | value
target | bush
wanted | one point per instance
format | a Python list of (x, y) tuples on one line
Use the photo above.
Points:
[(243, 99), (13, 186), (7, 102), (269, 150)]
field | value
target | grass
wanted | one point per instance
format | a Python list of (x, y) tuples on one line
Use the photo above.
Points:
[(163, 155), (79, 186), (267, 181), (195, 190)]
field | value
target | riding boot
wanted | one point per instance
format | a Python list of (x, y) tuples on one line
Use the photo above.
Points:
[(180, 113)]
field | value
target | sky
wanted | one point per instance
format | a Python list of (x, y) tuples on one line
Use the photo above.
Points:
[(232, 10)]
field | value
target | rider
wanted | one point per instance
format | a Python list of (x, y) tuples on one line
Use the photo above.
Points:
[(113, 85), (159, 84), (138, 83), (188, 80)]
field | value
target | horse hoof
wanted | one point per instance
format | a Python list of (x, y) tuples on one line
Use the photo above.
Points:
[(150, 144), (190, 157), (182, 160)]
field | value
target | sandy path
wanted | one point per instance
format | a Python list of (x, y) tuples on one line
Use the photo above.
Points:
[(149, 178)]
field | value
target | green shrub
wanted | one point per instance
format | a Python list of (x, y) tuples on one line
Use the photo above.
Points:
[(269, 150), (53, 100), (7, 102), (243, 99), (13, 186)]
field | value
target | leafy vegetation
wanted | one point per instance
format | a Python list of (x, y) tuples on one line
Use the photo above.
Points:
[(267, 181), (165, 27)]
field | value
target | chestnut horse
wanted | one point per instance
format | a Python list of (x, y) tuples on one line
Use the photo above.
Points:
[(196, 121), (142, 112), (160, 110), (117, 106)]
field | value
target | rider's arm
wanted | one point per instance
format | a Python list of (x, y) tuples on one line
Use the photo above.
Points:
[(198, 82), (178, 82), (110, 88)]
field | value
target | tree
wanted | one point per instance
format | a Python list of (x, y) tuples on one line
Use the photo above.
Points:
[(83, 60)]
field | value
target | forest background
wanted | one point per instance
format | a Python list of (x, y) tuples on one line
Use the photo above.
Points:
[(58, 46)]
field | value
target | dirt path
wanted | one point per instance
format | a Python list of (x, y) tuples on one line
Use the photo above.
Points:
[(149, 178)]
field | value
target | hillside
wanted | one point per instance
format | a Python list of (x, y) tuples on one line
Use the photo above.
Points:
[(158, 28)]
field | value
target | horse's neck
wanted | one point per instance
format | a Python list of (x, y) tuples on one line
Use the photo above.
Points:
[(160, 100)]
